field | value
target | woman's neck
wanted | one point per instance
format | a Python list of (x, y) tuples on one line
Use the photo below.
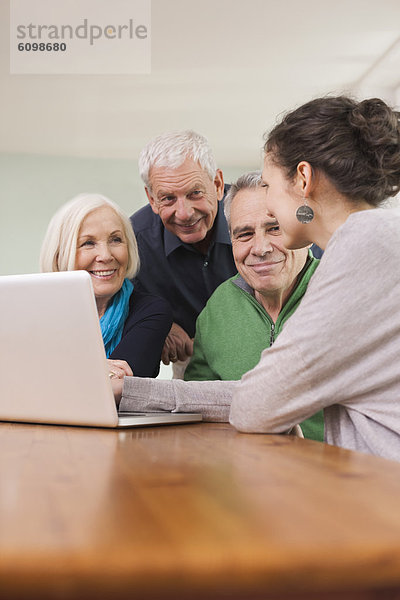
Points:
[(331, 212)]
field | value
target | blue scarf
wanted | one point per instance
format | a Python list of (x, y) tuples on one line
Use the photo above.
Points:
[(113, 320)]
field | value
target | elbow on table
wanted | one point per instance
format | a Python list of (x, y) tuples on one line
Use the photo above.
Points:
[(257, 417), (248, 420), (253, 413), (257, 424)]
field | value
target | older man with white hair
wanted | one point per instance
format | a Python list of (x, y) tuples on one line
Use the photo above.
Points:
[(182, 235)]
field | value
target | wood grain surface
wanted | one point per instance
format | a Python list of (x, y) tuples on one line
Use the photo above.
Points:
[(193, 511)]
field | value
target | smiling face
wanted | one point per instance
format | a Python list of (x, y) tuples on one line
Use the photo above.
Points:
[(260, 256), (103, 252), (186, 199)]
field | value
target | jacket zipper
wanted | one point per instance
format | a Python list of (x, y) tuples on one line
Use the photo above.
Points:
[(272, 338)]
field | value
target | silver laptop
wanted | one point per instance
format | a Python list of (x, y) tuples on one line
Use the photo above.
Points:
[(52, 363)]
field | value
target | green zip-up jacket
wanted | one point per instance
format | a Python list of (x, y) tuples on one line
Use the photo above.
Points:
[(233, 329)]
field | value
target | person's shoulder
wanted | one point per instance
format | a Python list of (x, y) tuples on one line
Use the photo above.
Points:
[(383, 224), (374, 215), (145, 218), (224, 289), (223, 305), (389, 216), (366, 240)]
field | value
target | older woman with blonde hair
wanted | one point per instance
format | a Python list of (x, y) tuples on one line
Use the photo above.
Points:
[(92, 233)]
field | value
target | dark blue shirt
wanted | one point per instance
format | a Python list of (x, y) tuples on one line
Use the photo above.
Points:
[(316, 250), (177, 271)]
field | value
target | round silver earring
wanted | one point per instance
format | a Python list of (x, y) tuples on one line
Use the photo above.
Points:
[(304, 214)]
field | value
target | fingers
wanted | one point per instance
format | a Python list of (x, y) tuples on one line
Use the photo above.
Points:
[(177, 350), (180, 351), (116, 373), (168, 350), (189, 347), (177, 346), (169, 353), (118, 368), (165, 356), (123, 365)]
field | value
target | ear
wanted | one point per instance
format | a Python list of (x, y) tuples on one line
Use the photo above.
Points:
[(305, 178), (219, 184), (152, 201)]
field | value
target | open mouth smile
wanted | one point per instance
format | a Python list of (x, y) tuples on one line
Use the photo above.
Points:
[(188, 225), (103, 274)]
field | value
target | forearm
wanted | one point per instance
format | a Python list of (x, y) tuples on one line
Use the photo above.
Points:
[(211, 398), (275, 395)]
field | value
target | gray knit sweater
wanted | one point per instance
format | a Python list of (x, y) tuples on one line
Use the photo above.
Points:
[(352, 307)]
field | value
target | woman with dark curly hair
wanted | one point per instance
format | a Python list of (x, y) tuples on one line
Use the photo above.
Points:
[(328, 167)]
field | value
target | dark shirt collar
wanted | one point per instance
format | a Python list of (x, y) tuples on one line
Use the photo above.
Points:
[(243, 285), (220, 234)]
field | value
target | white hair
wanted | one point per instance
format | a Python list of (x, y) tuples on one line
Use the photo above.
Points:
[(58, 252), (171, 150), (248, 181)]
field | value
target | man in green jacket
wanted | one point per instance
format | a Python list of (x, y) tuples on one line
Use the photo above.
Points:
[(246, 313)]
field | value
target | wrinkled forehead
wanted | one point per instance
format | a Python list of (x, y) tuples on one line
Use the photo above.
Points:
[(187, 174), (250, 201)]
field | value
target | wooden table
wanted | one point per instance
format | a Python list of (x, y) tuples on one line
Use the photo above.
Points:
[(193, 511)]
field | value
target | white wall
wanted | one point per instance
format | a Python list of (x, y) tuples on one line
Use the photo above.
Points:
[(34, 186)]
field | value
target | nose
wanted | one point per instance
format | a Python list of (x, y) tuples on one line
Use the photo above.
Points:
[(183, 209), (261, 245), (103, 253)]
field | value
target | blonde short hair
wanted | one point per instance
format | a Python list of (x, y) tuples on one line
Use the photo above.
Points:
[(59, 246)]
